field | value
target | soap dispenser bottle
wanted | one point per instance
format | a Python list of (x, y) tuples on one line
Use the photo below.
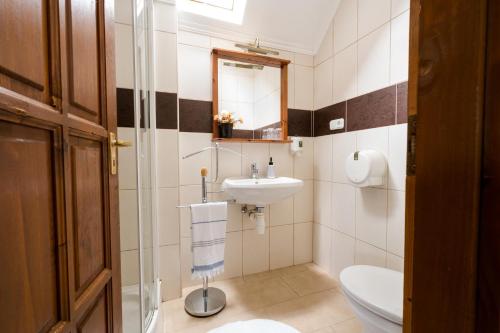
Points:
[(270, 169)]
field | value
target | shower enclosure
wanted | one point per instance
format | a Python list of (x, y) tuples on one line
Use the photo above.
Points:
[(140, 301)]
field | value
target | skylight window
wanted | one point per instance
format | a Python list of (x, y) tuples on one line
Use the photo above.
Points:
[(231, 11)]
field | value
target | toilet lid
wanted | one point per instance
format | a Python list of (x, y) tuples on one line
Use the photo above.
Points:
[(376, 288)]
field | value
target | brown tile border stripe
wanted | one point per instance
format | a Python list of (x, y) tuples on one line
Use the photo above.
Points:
[(323, 116), (125, 107), (195, 116), (299, 122), (402, 103), (383, 107), (375, 109), (166, 110)]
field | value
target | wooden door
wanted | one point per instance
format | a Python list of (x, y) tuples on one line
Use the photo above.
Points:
[(59, 245), (445, 91)]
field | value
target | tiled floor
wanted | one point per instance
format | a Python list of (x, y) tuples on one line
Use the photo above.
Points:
[(301, 296)]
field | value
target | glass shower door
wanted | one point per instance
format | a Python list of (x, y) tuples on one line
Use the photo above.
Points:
[(145, 125)]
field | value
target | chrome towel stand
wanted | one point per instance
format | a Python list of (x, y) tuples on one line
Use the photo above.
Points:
[(205, 301)]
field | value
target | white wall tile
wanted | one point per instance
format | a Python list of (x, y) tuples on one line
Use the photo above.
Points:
[(343, 208), (373, 60), (366, 254), (304, 84), (321, 246), (395, 263), (397, 157), (303, 167), (188, 195), (399, 6), (167, 158), (280, 246), (129, 267), (128, 220), (195, 74), (325, 50), (323, 80), (342, 253), (124, 61), (396, 222), (123, 11), (345, 25), (371, 216), (281, 212), (168, 216), (302, 243), (344, 74), (282, 158), (322, 203), (343, 144), (193, 39), (323, 158), (372, 14), (219, 43), (127, 169), (233, 254), (170, 272), (255, 152), (304, 59), (303, 203), (400, 36), (229, 163), (189, 169), (255, 252), (165, 17), (165, 62)]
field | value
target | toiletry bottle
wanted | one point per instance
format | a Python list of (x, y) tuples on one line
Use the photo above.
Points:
[(270, 169)]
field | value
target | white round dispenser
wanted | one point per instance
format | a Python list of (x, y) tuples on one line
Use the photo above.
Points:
[(366, 168)]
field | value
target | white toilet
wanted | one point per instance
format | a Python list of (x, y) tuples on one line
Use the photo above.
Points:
[(376, 295)]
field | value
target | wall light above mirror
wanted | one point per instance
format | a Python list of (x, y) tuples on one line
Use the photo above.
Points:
[(250, 97)]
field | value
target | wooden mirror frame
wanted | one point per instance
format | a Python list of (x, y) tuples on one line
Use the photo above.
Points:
[(253, 59)]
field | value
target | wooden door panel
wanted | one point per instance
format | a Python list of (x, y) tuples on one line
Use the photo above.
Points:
[(24, 45), (96, 320), (28, 256), (88, 209), (84, 56)]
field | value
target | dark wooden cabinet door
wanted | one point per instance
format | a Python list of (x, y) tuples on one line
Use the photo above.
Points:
[(59, 245), (29, 44)]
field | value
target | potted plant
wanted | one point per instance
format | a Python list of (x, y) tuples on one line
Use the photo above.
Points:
[(226, 121)]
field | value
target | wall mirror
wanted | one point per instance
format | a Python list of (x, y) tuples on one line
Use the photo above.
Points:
[(250, 97)]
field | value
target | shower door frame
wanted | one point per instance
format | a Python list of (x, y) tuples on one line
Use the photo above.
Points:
[(147, 319)]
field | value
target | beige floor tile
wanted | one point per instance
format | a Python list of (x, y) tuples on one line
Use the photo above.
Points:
[(309, 281), (273, 295), (311, 312), (348, 326)]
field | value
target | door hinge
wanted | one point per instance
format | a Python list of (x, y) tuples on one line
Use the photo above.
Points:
[(411, 165)]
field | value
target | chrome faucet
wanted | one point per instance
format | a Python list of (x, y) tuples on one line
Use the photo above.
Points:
[(254, 170)]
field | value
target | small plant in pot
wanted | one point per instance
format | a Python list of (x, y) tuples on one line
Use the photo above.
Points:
[(226, 120)]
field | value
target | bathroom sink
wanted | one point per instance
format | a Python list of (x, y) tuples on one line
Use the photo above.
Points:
[(261, 191)]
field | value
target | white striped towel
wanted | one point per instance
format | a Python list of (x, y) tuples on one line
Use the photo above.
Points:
[(208, 234)]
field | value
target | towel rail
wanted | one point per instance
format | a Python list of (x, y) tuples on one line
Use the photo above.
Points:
[(231, 201)]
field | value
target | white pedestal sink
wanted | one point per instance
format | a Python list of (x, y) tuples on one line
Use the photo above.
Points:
[(261, 191)]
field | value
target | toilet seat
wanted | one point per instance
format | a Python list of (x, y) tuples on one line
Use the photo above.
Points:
[(378, 289)]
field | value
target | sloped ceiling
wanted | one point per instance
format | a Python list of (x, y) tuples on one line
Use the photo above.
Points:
[(294, 25)]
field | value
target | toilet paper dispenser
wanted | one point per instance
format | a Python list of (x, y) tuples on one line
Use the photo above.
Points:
[(366, 168)]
